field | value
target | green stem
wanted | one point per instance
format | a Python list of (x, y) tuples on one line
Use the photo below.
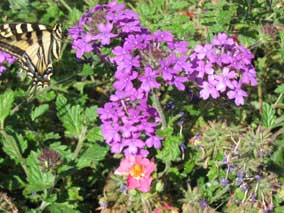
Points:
[(158, 107), (66, 5), (79, 144)]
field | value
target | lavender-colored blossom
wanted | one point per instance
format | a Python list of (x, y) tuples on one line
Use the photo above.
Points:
[(149, 80), (224, 181), (129, 127), (100, 25), (203, 203), (105, 34), (222, 67), (238, 94), (5, 58), (144, 61)]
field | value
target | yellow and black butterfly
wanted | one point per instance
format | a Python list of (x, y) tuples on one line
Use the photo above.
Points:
[(33, 45)]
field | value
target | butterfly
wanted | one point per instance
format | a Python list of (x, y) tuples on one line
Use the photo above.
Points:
[(33, 45)]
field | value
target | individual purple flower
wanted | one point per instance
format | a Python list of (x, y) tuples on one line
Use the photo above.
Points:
[(208, 89), (149, 80), (203, 203), (105, 34), (224, 181), (222, 39), (225, 80), (238, 94)]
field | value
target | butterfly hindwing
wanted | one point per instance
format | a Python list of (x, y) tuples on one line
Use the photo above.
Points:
[(33, 45)]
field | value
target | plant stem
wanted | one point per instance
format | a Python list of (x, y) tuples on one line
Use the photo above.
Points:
[(66, 5), (158, 107), (79, 144)]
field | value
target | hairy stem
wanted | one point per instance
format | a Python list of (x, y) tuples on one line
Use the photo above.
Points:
[(158, 107), (79, 144)]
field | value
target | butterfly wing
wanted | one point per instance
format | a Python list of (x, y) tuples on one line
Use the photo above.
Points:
[(33, 45)]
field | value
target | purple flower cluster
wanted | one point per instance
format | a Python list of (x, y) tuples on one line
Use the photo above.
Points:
[(5, 58), (223, 67), (146, 60), (129, 127), (99, 26)]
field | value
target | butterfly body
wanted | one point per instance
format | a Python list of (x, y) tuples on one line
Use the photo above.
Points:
[(33, 45)]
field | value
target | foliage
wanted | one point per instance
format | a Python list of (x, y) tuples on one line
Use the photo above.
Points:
[(210, 155)]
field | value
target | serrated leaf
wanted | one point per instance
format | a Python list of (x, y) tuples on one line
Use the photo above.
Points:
[(95, 134), (87, 70), (74, 16), (51, 135), (268, 116), (92, 156), (6, 102), (61, 104), (171, 146), (61, 208), (14, 146), (179, 5), (279, 89), (47, 96), (73, 121), (91, 113), (71, 117), (37, 180), (63, 150), (38, 111), (18, 4)]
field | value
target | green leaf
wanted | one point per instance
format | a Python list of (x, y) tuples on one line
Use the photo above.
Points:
[(6, 102), (63, 150), (87, 70), (281, 49), (279, 89), (91, 113), (18, 4), (74, 16), (95, 134), (71, 117), (46, 96), (179, 5), (51, 136), (278, 156), (37, 179), (74, 194), (14, 146), (61, 104), (171, 146), (268, 116), (38, 111), (73, 121), (92, 156), (61, 208)]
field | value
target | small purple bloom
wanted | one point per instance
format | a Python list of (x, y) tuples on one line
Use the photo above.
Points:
[(203, 203), (224, 181), (105, 34), (257, 177)]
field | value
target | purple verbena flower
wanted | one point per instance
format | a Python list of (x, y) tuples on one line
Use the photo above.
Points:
[(223, 67), (5, 58)]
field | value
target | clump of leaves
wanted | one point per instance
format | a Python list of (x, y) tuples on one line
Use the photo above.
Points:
[(236, 161)]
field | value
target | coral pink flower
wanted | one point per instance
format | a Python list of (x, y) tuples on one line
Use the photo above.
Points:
[(138, 171)]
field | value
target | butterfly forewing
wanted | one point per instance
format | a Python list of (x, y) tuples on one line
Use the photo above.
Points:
[(33, 45)]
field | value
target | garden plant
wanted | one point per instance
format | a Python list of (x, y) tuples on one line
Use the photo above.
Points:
[(153, 106)]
